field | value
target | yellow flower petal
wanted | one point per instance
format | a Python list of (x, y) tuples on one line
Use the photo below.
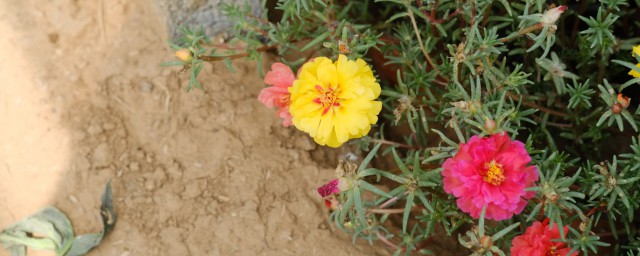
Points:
[(636, 50), (635, 73)]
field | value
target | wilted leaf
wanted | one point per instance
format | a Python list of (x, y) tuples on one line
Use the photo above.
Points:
[(84, 243), (50, 229)]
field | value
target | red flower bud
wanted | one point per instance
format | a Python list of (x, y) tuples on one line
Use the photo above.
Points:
[(623, 100), (486, 242), (616, 108), (489, 125)]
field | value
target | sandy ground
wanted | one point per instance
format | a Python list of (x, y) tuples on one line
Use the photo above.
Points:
[(83, 100)]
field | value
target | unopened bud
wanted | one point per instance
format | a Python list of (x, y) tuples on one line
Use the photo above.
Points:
[(489, 125), (462, 105), (474, 106), (343, 47), (551, 16), (612, 181), (623, 100), (616, 108), (184, 55), (460, 56), (583, 225), (486, 242), (348, 224)]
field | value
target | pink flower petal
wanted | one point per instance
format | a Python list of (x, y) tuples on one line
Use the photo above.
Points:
[(536, 241), (329, 188), (286, 116), (271, 96), (280, 76)]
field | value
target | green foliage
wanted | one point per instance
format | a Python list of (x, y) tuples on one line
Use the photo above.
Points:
[(452, 69), (599, 31)]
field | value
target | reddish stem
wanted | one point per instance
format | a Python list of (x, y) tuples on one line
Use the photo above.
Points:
[(432, 17), (386, 241), (391, 201), (236, 56)]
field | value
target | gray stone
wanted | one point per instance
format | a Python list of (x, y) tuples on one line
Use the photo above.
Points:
[(196, 13)]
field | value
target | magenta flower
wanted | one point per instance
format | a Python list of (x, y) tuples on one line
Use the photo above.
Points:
[(536, 241), (281, 78), (329, 188), (490, 172)]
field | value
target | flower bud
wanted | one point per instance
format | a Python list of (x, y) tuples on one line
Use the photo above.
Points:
[(348, 224), (551, 16), (489, 125), (616, 108), (474, 106), (184, 55), (343, 47), (460, 56), (486, 242), (623, 100), (462, 105)]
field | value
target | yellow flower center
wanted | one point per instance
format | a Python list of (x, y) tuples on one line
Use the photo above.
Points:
[(494, 173), (552, 251), (327, 98)]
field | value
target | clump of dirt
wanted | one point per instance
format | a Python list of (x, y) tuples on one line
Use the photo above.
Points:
[(202, 173)]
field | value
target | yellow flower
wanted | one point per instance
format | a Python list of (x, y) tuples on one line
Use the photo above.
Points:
[(636, 50), (335, 101)]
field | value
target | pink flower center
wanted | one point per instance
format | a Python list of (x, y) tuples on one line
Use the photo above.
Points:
[(494, 173), (327, 98)]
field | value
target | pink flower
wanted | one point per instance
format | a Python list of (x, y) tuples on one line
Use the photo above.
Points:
[(536, 241), (490, 172), (281, 78)]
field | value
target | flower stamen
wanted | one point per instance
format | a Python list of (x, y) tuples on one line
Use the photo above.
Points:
[(494, 173), (328, 98)]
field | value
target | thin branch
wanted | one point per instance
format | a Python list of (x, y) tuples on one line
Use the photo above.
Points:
[(524, 31), (424, 51), (559, 125), (536, 106), (386, 241), (391, 201), (432, 16), (393, 143)]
